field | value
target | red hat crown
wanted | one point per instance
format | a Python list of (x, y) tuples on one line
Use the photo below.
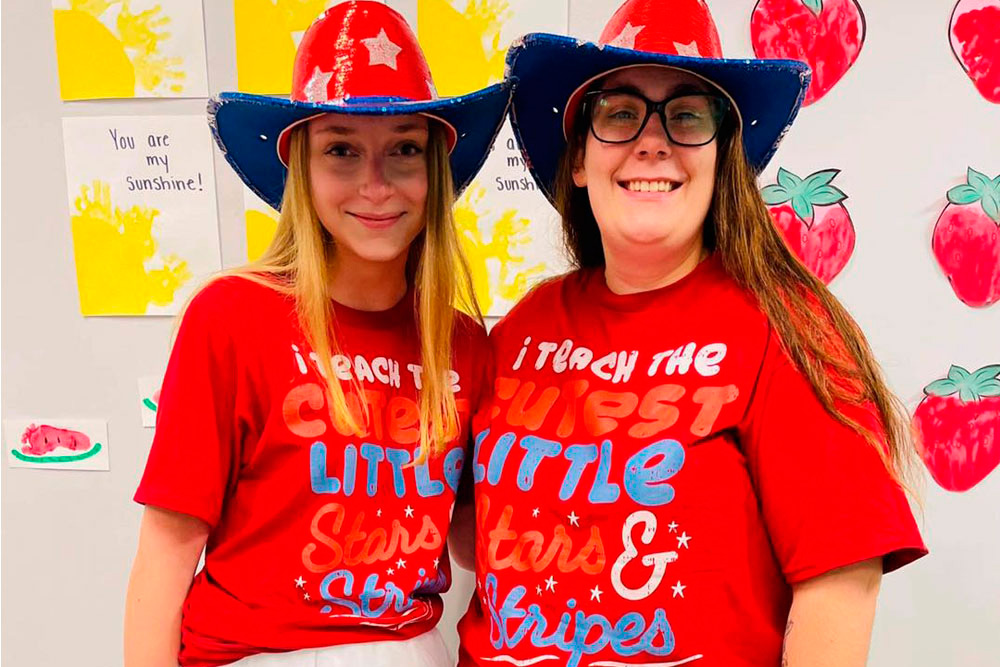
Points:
[(674, 27), (360, 49)]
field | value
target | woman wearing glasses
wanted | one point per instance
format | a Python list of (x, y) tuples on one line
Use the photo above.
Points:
[(691, 455)]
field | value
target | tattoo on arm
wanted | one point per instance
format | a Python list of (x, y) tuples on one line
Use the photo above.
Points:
[(784, 643)]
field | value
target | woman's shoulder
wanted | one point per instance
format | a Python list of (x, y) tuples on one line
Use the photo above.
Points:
[(231, 300)]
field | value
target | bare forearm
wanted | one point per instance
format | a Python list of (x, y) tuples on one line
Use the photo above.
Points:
[(830, 622), (170, 545), (152, 619)]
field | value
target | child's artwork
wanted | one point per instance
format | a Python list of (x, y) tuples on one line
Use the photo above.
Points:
[(827, 34), (966, 240), (974, 33), (130, 48), (261, 223), (509, 232), (142, 209), (57, 443), (813, 219), (267, 34), (957, 427), (149, 399)]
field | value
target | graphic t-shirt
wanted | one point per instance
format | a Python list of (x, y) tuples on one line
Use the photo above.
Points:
[(651, 477), (318, 537)]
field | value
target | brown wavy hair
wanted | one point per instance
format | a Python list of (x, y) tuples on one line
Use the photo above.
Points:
[(816, 331)]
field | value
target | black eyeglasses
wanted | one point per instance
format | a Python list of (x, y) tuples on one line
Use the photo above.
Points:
[(619, 116)]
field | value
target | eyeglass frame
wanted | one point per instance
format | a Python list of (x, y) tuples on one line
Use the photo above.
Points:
[(652, 107)]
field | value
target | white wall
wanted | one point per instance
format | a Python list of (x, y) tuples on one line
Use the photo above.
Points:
[(903, 126)]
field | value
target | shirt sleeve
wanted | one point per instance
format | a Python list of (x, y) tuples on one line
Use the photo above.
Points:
[(826, 496), (194, 459)]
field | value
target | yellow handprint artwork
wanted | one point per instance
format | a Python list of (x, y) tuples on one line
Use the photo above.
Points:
[(267, 34), (498, 266), (464, 49), (117, 269), (129, 48)]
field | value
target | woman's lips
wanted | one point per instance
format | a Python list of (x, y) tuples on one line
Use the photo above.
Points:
[(377, 221)]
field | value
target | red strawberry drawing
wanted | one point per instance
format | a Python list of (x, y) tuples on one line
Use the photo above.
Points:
[(827, 34), (814, 222), (957, 427), (966, 240), (974, 32)]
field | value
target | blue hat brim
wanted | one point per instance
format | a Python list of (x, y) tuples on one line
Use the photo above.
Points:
[(246, 128), (549, 69)]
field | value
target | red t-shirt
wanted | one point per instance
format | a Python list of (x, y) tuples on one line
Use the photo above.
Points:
[(652, 475), (317, 538)]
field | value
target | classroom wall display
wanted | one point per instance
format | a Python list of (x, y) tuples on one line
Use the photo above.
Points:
[(957, 427), (130, 48), (974, 34), (149, 398), (142, 208), (56, 444), (966, 239), (813, 219), (827, 34), (507, 229)]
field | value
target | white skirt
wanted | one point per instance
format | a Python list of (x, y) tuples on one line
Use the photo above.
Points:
[(426, 650)]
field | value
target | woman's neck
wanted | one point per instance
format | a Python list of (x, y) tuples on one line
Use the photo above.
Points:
[(628, 271), (365, 285)]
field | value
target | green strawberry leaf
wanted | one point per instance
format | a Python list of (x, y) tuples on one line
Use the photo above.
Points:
[(941, 388), (991, 206), (957, 373), (788, 180), (963, 194), (986, 373), (967, 395), (774, 195), (989, 389), (815, 6), (825, 195), (977, 180), (803, 208), (822, 177)]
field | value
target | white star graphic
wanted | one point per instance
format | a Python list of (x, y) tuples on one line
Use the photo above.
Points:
[(679, 589), (534, 513), (378, 513), (408, 511), (687, 49), (626, 38), (316, 88), (672, 526), (595, 593), (390, 572), (538, 590), (436, 561), (574, 520), (400, 563), (305, 596), (550, 584), (682, 541), (300, 582), (381, 50)]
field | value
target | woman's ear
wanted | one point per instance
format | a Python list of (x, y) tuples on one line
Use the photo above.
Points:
[(579, 172)]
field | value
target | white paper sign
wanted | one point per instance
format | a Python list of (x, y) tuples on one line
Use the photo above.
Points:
[(57, 444)]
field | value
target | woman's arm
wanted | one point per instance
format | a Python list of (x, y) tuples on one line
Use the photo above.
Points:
[(170, 545), (830, 623)]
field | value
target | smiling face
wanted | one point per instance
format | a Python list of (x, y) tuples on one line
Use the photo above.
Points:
[(649, 193), (368, 177)]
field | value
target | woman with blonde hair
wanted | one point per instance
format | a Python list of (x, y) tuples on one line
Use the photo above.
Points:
[(691, 456), (314, 414)]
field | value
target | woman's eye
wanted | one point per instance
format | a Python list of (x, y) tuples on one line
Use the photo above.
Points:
[(624, 114), (409, 149), (340, 150)]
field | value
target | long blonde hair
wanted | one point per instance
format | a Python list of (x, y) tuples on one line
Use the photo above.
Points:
[(296, 263), (819, 335)]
